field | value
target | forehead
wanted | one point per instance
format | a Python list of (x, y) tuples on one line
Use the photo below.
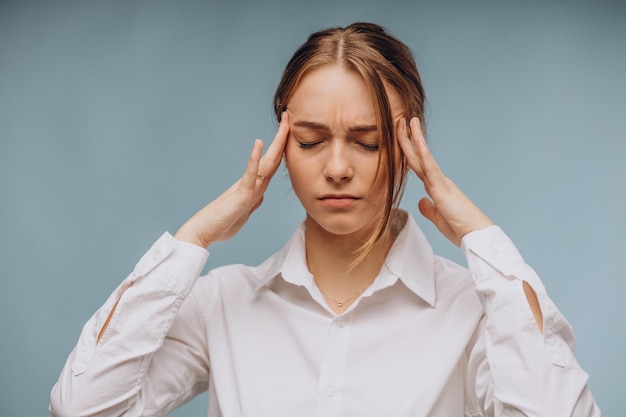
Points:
[(334, 93)]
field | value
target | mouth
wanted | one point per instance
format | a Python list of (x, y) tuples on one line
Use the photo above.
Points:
[(338, 200)]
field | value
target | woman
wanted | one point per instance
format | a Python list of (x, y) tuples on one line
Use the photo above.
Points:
[(355, 316)]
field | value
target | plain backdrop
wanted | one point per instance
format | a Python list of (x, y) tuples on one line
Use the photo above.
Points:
[(119, 119)]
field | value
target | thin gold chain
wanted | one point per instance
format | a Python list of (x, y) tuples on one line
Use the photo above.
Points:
[(340, 304)]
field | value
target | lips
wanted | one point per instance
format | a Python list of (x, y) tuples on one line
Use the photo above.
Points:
[(338, 200)]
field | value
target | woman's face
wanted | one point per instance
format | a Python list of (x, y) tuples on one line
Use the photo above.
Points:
[(332, 151)]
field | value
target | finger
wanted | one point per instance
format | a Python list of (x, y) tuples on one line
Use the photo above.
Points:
[(250, 174), (271, 160), (432, 174), (428, 209), (408, 148)]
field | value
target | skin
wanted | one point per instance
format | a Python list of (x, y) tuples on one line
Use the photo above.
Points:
[(332, 156), (331, 107)]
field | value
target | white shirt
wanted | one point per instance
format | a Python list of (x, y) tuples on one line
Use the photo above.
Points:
[(427, 338)]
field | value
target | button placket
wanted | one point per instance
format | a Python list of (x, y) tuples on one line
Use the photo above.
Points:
[(333, 367)]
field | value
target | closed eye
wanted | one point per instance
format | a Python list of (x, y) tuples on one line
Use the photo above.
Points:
[(308, 145), (368, 147)]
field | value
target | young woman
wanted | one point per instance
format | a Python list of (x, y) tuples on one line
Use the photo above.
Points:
[(355, 316)]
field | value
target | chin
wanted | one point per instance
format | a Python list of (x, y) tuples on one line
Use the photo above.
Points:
[(343, 230), (344, 226)]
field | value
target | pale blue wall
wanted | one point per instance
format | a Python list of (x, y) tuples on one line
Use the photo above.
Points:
[(118, 119)]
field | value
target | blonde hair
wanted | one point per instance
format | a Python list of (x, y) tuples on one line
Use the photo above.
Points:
[(383, 62)]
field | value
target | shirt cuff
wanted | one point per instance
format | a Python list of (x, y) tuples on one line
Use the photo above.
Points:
[(490, 252), (189, 260)]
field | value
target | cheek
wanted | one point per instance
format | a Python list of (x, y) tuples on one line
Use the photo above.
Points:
[(381, 183), (380, 191), (369, 169)]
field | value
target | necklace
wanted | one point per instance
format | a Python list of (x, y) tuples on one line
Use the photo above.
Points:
[(341, 303)]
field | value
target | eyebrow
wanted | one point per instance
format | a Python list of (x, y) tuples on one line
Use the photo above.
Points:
[(320, 126)]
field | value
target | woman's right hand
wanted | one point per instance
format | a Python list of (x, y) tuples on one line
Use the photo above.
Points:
[(223, 217)]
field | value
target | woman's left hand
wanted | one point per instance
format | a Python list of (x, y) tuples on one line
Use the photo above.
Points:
[(448, 208)]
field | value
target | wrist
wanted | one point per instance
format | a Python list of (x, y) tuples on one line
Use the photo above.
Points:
[(187, 236), (475, 227)]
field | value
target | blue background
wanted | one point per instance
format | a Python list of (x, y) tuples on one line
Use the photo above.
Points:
[(119, 119)]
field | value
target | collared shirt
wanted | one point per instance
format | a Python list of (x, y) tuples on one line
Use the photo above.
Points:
[(427, 338)]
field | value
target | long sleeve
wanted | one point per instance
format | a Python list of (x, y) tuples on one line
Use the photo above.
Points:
[(517, 370), (152, 356)]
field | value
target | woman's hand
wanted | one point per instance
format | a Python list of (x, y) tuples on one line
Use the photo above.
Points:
[(448, 208), (223, 217)]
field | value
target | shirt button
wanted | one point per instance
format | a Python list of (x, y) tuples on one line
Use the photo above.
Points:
[(341, 323), (495, 249), (331, 392)]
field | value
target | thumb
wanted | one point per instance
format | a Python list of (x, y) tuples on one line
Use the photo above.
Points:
[(428, 210), (256, 205)]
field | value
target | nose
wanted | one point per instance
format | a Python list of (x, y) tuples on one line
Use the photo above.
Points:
[(338, 167)]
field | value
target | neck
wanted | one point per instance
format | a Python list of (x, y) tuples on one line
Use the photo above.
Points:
[(330, 259)]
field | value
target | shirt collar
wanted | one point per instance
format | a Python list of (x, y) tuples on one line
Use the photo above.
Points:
[(410, 259), (290, 263)]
